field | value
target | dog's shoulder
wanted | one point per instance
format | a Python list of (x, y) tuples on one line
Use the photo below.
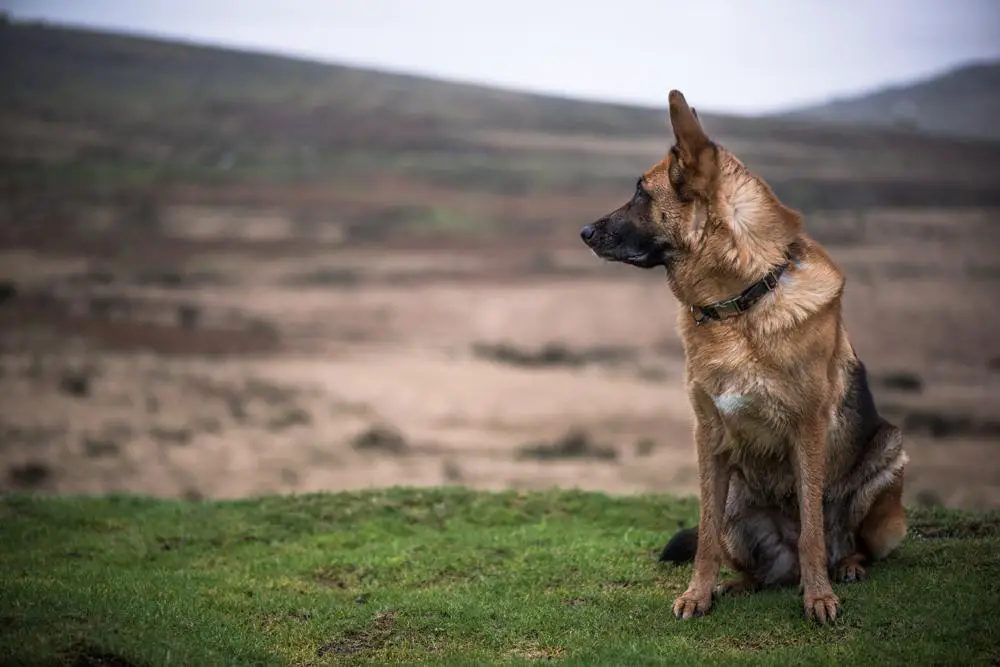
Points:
[(811, 285)]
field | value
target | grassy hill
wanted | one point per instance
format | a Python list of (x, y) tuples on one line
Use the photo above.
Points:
[(961, 102), (89, 117), (447, 576)]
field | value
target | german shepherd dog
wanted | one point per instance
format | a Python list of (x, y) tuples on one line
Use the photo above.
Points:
[(800, 477)]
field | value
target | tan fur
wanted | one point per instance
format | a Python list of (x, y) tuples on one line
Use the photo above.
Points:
[(767, 387), (884, 527)]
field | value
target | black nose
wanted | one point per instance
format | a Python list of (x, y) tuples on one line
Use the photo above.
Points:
[(587, 232)]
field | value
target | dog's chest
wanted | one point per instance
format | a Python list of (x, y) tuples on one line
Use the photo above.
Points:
[(747, 414), (733, 403), (752, 412), (754, 394), (757, 438)]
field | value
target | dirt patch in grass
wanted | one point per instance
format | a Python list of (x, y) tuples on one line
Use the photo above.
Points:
[(370, 638), (537, 652), (341, 576)]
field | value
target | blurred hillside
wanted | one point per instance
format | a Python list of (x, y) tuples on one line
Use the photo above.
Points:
[(962, 102), (91, 118), (226, 274)]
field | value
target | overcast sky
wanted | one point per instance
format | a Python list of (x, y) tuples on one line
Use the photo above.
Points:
[(726, 55)]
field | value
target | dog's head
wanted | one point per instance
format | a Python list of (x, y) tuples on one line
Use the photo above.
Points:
[(699, 212)]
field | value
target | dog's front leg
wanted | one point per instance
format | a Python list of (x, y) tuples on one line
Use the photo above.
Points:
[(820, 601), (713, 474)]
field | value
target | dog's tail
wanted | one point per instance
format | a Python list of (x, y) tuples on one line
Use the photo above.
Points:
[(681, 548)]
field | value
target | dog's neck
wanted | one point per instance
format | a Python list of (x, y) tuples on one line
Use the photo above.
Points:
[(741, 302), (711, 288)]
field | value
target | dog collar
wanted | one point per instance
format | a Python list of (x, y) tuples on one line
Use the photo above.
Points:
[(739, 304)]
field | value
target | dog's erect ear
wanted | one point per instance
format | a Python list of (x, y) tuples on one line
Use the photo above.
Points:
[(691, 138), (697, 152)]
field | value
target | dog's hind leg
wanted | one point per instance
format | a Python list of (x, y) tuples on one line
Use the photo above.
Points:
[(876, 519), (882, 530), (875, 522), (884, 527)]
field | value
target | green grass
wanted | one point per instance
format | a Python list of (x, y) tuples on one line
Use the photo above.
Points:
[(448, 576)]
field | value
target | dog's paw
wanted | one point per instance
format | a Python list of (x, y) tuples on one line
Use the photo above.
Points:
[(822, 606), (692, 604), (850, 569), (738, 586)]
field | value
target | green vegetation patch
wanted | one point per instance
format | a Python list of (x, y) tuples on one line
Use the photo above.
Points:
[(448, 576)]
